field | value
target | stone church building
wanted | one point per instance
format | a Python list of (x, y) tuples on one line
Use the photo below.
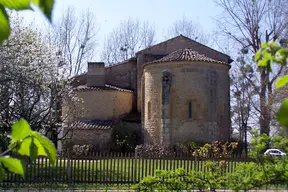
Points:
[(175, 91)]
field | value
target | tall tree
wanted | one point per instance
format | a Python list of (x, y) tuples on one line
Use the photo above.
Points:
[(243, 98), (188, 28), (125, 40), (31, 81), (250, 23), (75, 38)]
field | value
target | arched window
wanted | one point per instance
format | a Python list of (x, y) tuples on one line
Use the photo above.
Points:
[(149, 110), (190, 110)]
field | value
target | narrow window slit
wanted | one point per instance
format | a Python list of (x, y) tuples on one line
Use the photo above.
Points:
[(149, 110), (190, 109)]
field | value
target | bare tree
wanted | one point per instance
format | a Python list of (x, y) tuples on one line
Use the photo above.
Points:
[(243, 97), (190, 29), (125, 40), (75, 38), (250, 23)]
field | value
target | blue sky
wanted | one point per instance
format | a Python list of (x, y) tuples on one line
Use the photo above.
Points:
[(161, 13)]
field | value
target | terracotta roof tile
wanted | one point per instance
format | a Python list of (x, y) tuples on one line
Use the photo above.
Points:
[(93, 124), (106, 87), (185, 55)]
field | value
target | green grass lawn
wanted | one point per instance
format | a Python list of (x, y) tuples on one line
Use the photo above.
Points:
[(104, 170)]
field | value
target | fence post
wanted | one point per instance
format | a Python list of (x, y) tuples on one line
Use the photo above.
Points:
[(69, 173), (134, 165)]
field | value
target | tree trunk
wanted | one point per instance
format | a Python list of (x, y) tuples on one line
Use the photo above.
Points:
[(264, 119), (245, 142)]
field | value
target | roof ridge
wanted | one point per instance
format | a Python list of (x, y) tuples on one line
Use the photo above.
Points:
[(162, 42), (186, 54), (105, 87), (185, 38)]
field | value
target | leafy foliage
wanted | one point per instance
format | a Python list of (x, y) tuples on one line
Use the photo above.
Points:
[(268, 54), (45, 6), (266, 170), (262, 171), (5, 28), (217, 149), (124, 137), (25, 142), (179, 179), (282, 114), (79, 150)]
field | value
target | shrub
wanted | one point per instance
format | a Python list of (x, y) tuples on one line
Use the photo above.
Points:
[(123, 138), (216, 149), (154, 151), (179, 180), (81, 150), (264, 171)]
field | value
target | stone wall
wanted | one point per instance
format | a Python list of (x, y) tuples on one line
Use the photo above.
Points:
[(205, 85), (79, 80), (152, 115), (96, 74), (123, 75), (166, 48), (103, 104), (99, 139)]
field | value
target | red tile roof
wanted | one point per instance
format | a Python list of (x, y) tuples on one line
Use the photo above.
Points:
[(93, 124), (186, 55), (106, 87)]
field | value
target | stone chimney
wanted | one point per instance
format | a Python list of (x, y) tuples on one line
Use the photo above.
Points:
[(96, 74)]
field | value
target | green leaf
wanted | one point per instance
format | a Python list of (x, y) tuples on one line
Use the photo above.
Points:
[(282, 114), (33, 150), (24, 148), (2, 173), (45, 6), (264, 62), (16, 4), (20, 130), (283, 52), (281, 56), (269, 65), (282, 81), (13, 165), (274, 47), (266, 54), (47, 145), (257, 55), (264, 45), (40, 148), (4, 24)]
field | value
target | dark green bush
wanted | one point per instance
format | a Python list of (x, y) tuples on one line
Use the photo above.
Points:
[(123, 138)]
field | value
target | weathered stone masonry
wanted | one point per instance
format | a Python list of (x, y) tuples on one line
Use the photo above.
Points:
[(166, 86), (179, 88), (171, 87)]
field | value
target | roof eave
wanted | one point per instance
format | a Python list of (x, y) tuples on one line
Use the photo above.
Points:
[(220, 63)]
